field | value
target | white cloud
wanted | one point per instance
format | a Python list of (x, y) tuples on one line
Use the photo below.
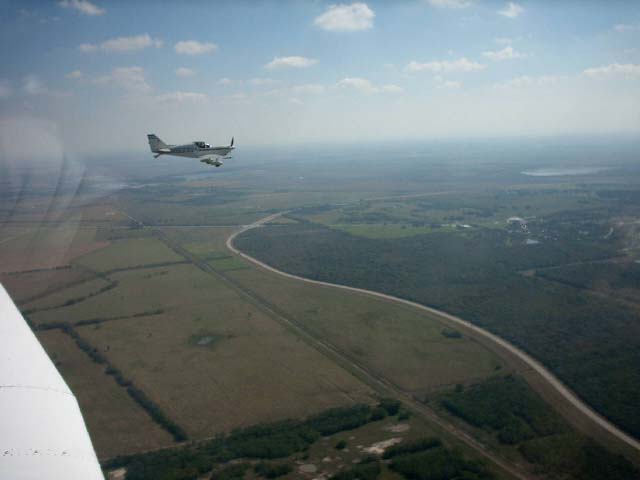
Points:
[(5, 88), (123, 44), (33, 86), (184, 72), (308, 89), (614, 69), (193, 47), (528, 81), (445, 66), (290, 62), (224, 81), (391, 88), (623, 28), (365, 86), (511, 10), (75, 75), (131, 79), (87, 47), (83, 6), (346, 18), (181, 97), (262, 81), (507, 53), (450, 3)]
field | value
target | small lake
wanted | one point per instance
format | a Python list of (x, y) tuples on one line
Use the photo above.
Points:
[(559, 172)]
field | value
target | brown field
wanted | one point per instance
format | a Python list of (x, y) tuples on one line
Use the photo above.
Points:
[(23, 286), (48, 247), (116, 423), (247, 368)]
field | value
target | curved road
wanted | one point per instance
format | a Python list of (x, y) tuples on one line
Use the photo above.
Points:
[(586, 411)]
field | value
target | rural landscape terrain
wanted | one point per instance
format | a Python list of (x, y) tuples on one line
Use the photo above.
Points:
[(489, 328)]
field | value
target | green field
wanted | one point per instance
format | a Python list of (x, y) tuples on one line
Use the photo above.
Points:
[(116, 424)]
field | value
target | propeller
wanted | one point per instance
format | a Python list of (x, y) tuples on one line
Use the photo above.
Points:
[(231, 142)]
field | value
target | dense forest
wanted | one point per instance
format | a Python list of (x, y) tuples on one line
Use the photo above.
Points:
[(515, 415), (591, 343)]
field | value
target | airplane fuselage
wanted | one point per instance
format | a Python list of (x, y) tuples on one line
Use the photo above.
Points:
[(205, 152), (192, 150)]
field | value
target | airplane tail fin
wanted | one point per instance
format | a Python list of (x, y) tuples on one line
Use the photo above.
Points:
[(155, 143)]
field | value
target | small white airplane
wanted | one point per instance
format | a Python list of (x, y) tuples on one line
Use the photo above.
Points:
[(205, 152)]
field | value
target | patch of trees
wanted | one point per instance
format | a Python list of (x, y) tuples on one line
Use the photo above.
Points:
[(411, 447), (519, 417), (507, 406), (272, 470), (368, 469), (439, 464), (267, 441), (450, 333)]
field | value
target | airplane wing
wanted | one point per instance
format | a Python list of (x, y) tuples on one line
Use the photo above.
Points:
[(42, 433)]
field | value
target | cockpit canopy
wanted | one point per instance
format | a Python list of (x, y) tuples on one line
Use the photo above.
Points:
[(202, 145)]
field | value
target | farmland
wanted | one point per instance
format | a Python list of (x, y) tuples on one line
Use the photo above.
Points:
[(155, 324)]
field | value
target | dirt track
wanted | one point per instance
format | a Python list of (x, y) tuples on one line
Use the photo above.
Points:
[(538, 376)]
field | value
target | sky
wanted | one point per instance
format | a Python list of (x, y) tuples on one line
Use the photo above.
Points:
[(95, 76)]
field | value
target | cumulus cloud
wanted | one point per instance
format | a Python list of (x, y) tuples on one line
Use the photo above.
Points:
[(181, 97), (193, 47), (445, 66), (131, 79), (614, 69), (290, 62), (5, 88), (123, 44), (184, 72), (511, 10), (308, 89), (75, 75), (83, 6), (346, 18), (507, 53), (365, 86), (450, 3)]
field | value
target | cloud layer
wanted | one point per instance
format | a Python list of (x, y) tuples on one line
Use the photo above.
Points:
[(346, 18)]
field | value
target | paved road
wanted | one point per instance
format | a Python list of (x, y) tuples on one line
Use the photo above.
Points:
[(587, 412)]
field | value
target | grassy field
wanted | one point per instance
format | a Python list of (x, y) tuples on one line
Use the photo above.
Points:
[(116, 424), (23, 286), (74, 294), (223, 367), (129, 253), (401, 344)]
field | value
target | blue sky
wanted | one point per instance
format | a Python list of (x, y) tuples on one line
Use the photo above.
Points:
[(99, 75)]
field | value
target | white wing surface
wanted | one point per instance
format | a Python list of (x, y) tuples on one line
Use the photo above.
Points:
[(42, 433)]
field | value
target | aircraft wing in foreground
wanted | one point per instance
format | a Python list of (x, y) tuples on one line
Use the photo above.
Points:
[(205, 152), (42, 433)]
